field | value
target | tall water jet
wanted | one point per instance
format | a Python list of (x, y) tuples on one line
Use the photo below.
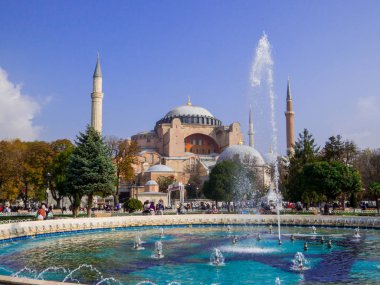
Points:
[(262, 70)]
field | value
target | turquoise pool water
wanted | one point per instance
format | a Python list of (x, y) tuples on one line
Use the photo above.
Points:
[(187, 251)]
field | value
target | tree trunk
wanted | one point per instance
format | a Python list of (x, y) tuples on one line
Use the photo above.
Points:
[(89, 204), (58, 202), (377, 205), (115, 199), (25, 200), (76, 204)]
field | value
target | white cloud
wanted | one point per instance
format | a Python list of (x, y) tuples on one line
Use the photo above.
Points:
[(17, 111)]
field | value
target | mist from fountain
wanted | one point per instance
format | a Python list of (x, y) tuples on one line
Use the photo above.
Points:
[(262, 70)]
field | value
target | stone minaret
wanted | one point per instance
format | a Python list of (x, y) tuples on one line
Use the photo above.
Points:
[(289, 114), (251, 133), (97, 99)]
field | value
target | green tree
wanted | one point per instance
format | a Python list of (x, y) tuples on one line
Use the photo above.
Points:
[(324, 181), (374, 192), (133, 205), (62, 152), (305, 148), (334, 149), (305, 151), (90, 170), (229, 181)]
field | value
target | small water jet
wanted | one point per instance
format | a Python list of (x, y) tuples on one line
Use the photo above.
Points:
[(322, 240), (162, 233), (357, 235), (314, 230), (270, 229), (329, 244), (137, 243), (305, 246), (258, 237), (278, 281), (234, 240), (292, 238), (217, 257), (299, 262), (158, 253)]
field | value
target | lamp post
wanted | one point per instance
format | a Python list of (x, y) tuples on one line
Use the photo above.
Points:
[(48, 175)]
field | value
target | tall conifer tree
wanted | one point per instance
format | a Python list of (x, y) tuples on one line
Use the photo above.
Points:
[(90, 171)]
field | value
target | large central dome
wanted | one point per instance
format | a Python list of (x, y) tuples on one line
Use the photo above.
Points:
[(187, 110), (189, 114)]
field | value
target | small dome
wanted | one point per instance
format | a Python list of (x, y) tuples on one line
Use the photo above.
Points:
[(244, 153), (160, 168), (187, 110), (270, 158), (151, 183)]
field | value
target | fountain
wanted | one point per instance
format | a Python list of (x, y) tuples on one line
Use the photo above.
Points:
[(217, 257), (278, 281), (158, 250), (292, 237), (234, 240), (162, 233), (329, 244), (262, 68), (322, 240), (305, 246), (258, 237), (299, 262), (357, 235), (314, 230), (137, 243)]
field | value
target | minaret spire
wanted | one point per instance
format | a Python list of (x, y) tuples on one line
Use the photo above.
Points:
[(289, 114), (97, 98), (288, 93), (251, 133)]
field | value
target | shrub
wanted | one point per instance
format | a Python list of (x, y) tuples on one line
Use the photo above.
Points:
[(133, 205)]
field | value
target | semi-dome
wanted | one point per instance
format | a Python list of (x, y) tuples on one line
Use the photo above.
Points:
[(151, 183), (160, 168), (189, 114), (243, 153)]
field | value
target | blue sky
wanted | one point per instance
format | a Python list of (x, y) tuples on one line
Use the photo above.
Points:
[(156, 53)]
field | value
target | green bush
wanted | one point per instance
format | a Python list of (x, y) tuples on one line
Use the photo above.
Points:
[(133, 205)]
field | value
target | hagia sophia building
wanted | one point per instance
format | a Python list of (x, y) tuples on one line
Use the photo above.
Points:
[(190, 138)]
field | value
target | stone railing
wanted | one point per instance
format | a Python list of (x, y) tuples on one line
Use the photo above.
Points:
[(25, 229)]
